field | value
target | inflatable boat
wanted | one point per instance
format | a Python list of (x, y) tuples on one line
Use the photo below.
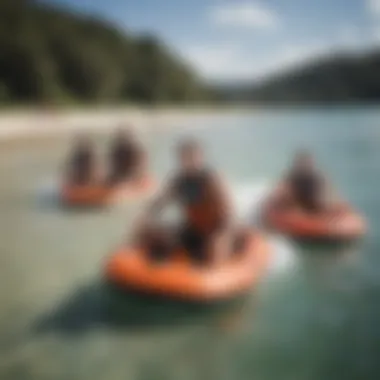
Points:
[(177, 277)]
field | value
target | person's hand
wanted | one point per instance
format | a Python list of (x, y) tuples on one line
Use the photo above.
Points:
[(220, 247), (142, 221), (143, 226)]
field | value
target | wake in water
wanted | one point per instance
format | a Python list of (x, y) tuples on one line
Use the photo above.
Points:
[(47, 193), (248, 198)]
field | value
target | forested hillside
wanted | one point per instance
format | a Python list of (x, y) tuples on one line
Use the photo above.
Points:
[(52, 55), (342, 78)]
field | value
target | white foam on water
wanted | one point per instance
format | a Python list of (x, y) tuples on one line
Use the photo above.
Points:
[(248, 198), (47, 190), (48, 186), (284, 258)]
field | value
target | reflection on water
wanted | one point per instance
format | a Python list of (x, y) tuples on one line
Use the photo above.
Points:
[(315, 316), (99, 306)]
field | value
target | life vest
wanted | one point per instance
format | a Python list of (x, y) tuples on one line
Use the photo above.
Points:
[(82, 166), (306, 185), (201, 203), (123, 157)]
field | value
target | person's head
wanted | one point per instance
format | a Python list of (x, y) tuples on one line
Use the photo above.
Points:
[(123, 134), (190, 155), (303, 161), (83, 142)]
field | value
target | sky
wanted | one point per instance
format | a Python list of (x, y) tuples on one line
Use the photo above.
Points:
[(239, 40)]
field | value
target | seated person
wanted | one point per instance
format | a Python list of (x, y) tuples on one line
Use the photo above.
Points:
[(205, 205), (305, 186), (127, 158), (82, 163)]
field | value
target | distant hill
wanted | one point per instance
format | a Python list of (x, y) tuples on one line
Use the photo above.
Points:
[(54, 55), (341, 78)]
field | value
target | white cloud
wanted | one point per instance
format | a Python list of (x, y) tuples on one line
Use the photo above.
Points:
[(355, 39), (295, 54), (229, 62), (244, 15), (218, 62), (376, 35), (350, 36), (373, 7), (237, 60)]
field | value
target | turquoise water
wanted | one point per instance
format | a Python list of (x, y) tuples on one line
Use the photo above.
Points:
[(315, 316)]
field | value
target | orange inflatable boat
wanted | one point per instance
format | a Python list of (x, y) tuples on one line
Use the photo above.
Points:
[(178, 278), (101, 195), (342, 224)]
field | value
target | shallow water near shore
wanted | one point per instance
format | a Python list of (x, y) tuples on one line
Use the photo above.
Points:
[(314, 316)]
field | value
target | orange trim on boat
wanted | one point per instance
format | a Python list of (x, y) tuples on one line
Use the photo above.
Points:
[(98, 195), (179, 278), (343, 224)]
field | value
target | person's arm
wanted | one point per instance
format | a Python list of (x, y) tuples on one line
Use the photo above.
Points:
[(330, 190), (332, 195), (141, 162), (281, 189), (280, 195), (222, 192), (163, 199), (69, 166), (221, 243), (145, 222)]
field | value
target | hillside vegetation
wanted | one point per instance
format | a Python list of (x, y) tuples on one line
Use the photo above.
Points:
[(342, 78), (50, 55)]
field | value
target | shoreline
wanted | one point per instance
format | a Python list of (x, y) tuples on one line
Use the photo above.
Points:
[(35, 123), (18, 123)]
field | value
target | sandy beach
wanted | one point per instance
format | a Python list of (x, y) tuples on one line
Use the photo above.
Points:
[(34, 123)]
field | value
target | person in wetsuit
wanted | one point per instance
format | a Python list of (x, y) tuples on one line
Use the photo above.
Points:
[(305, 184), (205, 204), (126, 157), (82, 162)]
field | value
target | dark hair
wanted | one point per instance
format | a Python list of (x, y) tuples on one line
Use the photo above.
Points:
[(189, 145), (302, 154), (82, 138), (123, 132)]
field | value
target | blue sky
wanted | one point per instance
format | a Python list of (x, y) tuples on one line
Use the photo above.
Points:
[(246, 39)]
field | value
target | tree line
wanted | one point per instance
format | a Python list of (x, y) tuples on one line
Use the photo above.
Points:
[(51, 55), (341, 78)]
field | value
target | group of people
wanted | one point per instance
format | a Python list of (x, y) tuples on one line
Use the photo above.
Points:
[(126, 160), (210, 229), (304, 186)]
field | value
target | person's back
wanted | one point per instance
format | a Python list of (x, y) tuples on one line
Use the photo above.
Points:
[(306, 183), (82, 162), (124, 153)]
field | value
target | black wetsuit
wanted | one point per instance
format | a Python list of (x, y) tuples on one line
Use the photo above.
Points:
[(191, 191), (307, 188), (189, 188), (81, 167), (122, 157)]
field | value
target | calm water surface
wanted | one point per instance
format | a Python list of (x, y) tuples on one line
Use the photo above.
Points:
[(317, 316)]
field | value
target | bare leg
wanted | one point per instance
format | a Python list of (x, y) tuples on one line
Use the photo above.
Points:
[(220, 247), (154, 239), (139, 172)]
